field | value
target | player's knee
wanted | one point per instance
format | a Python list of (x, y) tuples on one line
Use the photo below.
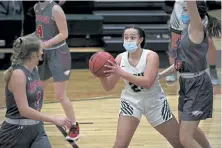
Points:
[(185, 138), (61, 96), (175, 142)]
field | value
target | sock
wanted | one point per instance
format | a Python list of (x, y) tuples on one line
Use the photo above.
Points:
[(212, 66)]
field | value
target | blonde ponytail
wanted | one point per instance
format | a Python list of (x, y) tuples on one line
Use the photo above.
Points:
[(14, 60), (7, 74), (22, 50)]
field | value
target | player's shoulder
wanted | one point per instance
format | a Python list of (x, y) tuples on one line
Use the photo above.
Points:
[(57, 10), (149, 51), (35, 6), (119, 56), (151, 54), (56, 7), (18, 74)]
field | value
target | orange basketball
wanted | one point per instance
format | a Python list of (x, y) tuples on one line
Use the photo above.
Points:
[(97, 62)]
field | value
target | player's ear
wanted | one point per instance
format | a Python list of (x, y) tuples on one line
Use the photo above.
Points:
[(141, 40)]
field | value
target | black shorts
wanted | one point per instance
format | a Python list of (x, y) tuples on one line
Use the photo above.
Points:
[(195, 98), (28, 136)]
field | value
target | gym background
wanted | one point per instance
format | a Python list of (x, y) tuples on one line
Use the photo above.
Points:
[(95, 26)]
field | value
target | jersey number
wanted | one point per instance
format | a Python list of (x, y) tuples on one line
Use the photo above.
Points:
[(39, 96), (134, 87), (39, 31)]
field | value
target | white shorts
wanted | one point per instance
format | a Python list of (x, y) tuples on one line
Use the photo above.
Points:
[(156, 111)]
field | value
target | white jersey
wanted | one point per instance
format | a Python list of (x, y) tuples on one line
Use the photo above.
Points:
[(178, 10), (135, 93)]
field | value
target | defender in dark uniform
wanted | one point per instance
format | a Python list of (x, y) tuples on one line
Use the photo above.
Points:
[(23, 125), (176, 28), (196, 90), (51, 28)]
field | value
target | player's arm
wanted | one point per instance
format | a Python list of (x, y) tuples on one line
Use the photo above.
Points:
[(33, 9), (167, 72), (109, 82), (60, 20), (18, 87), (195, 28), (150, 72)]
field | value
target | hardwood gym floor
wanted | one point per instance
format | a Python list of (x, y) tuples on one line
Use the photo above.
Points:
[(102, 108)]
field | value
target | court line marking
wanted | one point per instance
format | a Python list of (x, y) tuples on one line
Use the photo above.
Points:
[(84, 99), (76, 100)]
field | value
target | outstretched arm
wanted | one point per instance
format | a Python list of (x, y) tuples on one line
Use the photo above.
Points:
[(195, 28), (167, 72)]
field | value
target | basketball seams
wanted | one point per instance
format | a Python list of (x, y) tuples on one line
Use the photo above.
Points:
[(96, 65), (103, 64), (95, 57)]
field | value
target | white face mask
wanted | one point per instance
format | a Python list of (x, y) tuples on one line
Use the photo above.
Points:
[(130, 46)]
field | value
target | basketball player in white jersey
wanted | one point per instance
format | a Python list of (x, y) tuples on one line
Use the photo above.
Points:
[(143, 94), (177, 26)]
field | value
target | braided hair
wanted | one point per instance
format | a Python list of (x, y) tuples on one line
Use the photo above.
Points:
[(23, 47)]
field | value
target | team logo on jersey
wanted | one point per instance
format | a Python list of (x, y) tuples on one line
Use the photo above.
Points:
[(44, 19), (33, 85)]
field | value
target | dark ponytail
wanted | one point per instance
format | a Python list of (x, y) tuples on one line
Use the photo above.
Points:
[(214, 25), (140, 32)]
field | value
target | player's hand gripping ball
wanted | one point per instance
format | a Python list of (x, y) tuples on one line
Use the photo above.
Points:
[(97, 63), (113, 69)]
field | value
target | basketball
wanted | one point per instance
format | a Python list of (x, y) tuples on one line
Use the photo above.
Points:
[(97, 62)]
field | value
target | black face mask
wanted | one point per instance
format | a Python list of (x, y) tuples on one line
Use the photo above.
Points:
[(41, 60), (40, 63)]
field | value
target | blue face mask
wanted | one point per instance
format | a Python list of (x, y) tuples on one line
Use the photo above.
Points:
[(185, 18), (130, 46)]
